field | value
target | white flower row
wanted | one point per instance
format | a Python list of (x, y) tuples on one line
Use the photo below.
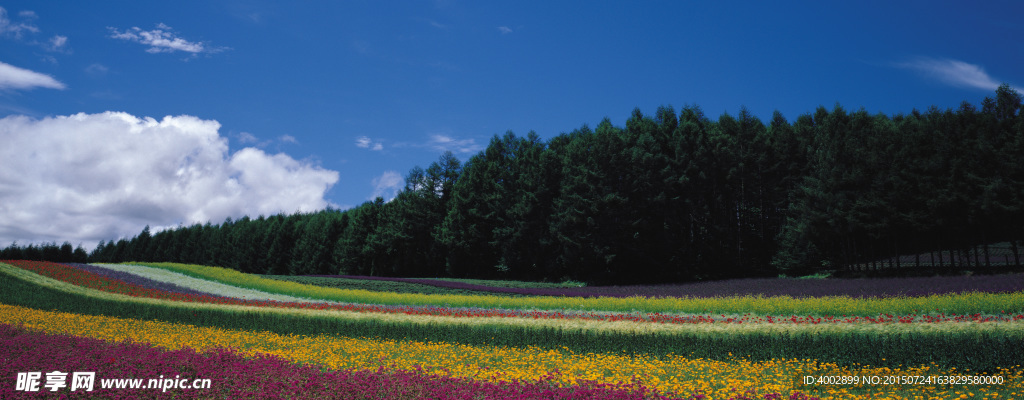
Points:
[(202, 285)]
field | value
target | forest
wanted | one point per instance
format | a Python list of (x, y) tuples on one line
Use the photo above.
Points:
[(669, 197)]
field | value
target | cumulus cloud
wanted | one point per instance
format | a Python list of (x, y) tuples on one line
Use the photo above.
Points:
[(12, 77), (953, 72), (448, 143), (387, 185), (289, 139), (91, 177), (163, 39)]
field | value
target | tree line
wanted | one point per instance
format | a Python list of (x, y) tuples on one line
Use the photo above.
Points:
[(45, 252), (672, 196)]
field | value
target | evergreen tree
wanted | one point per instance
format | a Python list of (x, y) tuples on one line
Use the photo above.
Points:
[(664, 198)]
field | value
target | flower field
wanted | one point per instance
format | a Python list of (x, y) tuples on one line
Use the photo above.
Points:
[(879, 287), (949, 303), (267, 338)]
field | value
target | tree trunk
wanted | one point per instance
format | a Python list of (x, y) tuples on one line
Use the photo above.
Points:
[(898, 263), (977, 257), (988, 262), (1016, 254)]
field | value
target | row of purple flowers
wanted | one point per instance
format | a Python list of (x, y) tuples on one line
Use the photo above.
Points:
[(858, 288)]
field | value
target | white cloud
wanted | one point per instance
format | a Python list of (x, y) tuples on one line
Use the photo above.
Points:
[(289, 139), (91, 177), (12, 77), (448, 143), (953, 72), (162, 40), (246, 137), (18, 30), (96, 69), (8, 27), (504, 30), (58, 43), (367, 143), (387, 185), (251, 140)]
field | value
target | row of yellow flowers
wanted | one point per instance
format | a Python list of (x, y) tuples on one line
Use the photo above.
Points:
[(670, 373)]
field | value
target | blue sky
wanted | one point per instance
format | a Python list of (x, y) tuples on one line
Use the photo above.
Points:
[(293, 106)]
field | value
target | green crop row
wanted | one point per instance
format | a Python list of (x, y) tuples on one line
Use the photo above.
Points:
[(375, 285), (975, 346), (514, 284), (967, 303)]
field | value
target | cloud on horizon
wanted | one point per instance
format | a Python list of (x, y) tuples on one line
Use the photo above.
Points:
[(447, 143), (954, 73), (12, 77), (387, 185), (90, 177)]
